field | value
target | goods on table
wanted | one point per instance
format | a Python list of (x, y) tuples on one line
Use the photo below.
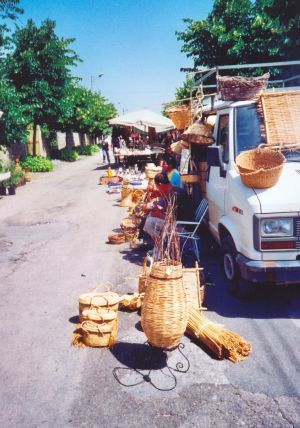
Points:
[(260, 168), (132, 301), (105, 179), (180, 115), (193, 288), (99, 335), (280, 112), (108, 299), (234, 88), (223, 343), (116, 238), (151, 171), (199, 133), (164, 310)]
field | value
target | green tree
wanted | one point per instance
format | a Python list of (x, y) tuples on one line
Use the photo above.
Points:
[(89, 112), (241, 31), (9, 11), (39, 67), (14, 122)]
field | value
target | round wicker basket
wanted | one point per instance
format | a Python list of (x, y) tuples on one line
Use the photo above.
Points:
[(164, 310), (99, 335), (190, 178), (260, 168), (181, 116), (116, 238)]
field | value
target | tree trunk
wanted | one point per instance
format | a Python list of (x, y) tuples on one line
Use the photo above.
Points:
[(34, 139)]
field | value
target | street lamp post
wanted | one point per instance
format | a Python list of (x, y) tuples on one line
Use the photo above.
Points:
[(93, 78)]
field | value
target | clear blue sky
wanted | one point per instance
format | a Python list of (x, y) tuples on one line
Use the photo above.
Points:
[(132, 42)]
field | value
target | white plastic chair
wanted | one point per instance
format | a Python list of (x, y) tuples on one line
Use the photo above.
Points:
[(193, 236)]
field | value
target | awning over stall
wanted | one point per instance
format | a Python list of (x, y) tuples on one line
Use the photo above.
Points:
[(144, 119)]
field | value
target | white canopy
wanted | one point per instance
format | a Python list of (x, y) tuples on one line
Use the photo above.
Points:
[(143, 119)]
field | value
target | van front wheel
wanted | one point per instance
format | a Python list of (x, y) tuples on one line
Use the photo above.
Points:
[(229, 264)]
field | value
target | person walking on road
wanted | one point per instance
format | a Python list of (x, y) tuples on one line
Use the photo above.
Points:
[(105, 150)]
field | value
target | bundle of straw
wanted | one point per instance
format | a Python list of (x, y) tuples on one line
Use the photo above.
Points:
[(223, 343)]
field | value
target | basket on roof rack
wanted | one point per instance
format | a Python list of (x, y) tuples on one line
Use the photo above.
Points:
[(238, 88)]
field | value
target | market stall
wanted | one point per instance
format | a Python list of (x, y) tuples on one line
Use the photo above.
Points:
[(149, 123)]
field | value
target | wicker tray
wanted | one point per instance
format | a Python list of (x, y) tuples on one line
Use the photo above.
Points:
[(234, 88)]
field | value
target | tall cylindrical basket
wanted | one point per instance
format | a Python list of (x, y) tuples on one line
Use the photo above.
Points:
[(164, 310)]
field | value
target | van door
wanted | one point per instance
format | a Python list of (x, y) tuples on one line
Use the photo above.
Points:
[(216, 185)]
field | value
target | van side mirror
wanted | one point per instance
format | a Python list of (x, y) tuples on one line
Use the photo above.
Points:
[(214, 156)]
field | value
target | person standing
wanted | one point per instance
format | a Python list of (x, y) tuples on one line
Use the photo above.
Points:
[(105, 150)]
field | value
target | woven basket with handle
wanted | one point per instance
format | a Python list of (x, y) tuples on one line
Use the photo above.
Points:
[(164, 310), (99, 335), (260, 168), (107, 299), (147, 265)]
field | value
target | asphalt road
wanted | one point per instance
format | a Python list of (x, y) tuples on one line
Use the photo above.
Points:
[(52, 248)]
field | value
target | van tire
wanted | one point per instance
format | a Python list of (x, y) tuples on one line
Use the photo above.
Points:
[(230, 266)]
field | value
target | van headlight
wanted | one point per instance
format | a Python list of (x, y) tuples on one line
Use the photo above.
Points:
[(272, 227)]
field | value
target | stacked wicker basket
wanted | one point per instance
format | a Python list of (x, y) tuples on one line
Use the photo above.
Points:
[(98, 313)]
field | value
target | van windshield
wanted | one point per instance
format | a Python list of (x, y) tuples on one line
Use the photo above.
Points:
[(247, 128), (248, 134)]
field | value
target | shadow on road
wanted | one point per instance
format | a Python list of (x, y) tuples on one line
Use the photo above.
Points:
[(268, 302)]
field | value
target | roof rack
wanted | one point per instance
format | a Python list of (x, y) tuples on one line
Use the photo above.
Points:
[(216, 70)]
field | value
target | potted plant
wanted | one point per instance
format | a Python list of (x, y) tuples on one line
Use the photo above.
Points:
[(16, 177)]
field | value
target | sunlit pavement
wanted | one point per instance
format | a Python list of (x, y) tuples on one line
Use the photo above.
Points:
[(53, 248)]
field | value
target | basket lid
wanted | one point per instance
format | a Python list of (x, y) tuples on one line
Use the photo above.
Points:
[(93, 327), (97, 314), (107, 298)]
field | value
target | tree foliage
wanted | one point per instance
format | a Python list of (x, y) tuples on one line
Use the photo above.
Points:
[(14, 122), (242, 31), (89, 111), (39, 69), (9, 11)]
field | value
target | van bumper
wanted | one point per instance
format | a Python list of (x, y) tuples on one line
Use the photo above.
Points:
[(275, 271)]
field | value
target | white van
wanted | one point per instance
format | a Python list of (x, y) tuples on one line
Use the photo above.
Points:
[(258, 229)]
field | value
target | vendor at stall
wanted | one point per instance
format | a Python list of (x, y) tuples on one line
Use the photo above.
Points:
[(184, 209), (173, 173)]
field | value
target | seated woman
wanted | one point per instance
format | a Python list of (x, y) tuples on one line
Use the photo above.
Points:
[(184, 209), (173, 173)]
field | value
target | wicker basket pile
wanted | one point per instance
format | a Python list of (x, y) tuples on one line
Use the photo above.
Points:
[(260, 168), (234, 88), (180, 115), (99, 318), (129, 228), (199, 133)]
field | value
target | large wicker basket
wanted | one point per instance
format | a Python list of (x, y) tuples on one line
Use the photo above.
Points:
[(181, 116), (234, 88), (260, 168), (164, 310)]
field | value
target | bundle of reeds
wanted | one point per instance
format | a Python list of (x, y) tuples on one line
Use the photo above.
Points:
[(222, 342)]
